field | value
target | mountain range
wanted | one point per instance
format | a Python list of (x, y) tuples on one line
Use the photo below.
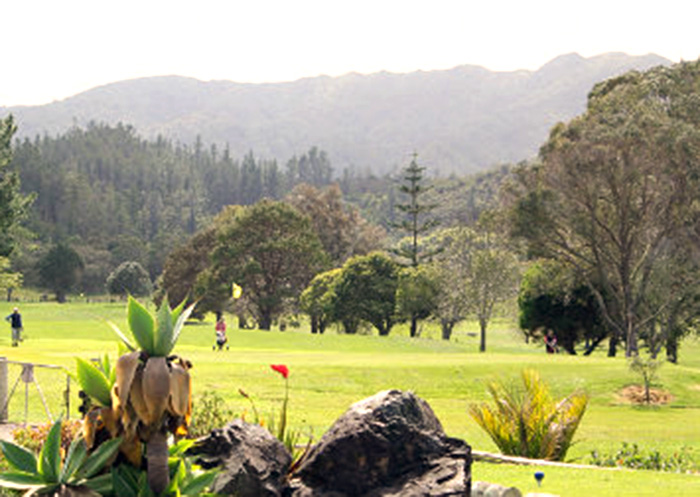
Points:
[(461, 120)]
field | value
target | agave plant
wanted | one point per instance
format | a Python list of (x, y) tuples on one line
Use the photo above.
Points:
[(152, 393), (78, 474), (527, 422)]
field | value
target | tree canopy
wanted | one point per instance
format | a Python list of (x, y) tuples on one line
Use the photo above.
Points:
[(12, 204), (616, 188), (271, 250), (60, 270)]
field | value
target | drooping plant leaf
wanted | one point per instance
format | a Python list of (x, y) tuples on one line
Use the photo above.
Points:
[(94, 382), (19, 457), (142, 325)]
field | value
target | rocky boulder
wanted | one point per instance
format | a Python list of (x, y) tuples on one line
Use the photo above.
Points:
[(391, 444), (253, 462)]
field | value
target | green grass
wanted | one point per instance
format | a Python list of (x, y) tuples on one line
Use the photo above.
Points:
[(330, 372)]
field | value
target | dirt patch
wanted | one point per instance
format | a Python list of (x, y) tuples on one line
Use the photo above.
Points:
[(635, 394)]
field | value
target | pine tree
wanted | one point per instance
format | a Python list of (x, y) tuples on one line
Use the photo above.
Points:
[(416, 213)]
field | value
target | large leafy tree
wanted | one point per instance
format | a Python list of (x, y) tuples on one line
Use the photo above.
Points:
[(184, 265), (342, 230), (317, 299), (12, 204), (484, 267), (60, 270), (365, 290), (271, 250), (130, 278), (551, 298), (614, 187), (416, 295)]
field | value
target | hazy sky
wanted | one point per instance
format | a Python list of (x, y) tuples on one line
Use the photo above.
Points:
[(52, 49)]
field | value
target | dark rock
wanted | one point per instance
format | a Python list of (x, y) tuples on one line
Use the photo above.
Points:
[(391, 444), (253, 462)]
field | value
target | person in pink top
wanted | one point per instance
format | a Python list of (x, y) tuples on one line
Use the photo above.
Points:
[(220, 334)]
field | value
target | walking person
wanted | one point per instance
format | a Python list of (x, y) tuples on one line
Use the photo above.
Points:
[(15, 320), (220, 333)]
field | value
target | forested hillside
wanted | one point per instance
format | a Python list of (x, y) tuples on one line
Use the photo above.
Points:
[(462, 120), (118, 197)]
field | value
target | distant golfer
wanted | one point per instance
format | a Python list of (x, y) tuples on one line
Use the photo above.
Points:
[(15, 320)]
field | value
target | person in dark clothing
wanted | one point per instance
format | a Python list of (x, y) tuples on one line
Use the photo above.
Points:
[(550, 342), (15, 320)]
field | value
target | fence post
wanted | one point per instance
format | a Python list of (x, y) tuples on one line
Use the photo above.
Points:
[(3, 389)]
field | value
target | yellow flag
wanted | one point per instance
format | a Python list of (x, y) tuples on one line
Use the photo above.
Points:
[(236, 291)]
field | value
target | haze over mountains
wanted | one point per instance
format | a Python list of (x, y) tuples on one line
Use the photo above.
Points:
[(460, 120)]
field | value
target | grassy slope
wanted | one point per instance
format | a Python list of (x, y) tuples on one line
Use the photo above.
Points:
[(330, 372)]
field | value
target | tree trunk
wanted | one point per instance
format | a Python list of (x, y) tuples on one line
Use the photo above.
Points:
[(612, 345), (482, 341), (383, 329), (672, 348), (447, 327), (60, 296), (414, 326), (314, 325), (265, 320), (157, 460), (592, 346), (350, 327)]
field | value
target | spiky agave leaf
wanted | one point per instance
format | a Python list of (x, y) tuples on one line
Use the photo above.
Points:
[(124, 340), (93, 381), (19, 457), (49, 463), (163, 337), (177, 310), (142, 325), (180, 323), (77, 452)]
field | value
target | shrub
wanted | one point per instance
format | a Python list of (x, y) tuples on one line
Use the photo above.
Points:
[(34, 437), (629, 456), (209, 411), (647, 369), (527, 422)]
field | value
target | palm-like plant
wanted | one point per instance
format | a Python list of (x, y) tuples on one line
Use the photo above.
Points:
[(527, 422), (151, 396)]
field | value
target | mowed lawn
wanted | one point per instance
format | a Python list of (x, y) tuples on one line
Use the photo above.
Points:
[(331, 371)]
